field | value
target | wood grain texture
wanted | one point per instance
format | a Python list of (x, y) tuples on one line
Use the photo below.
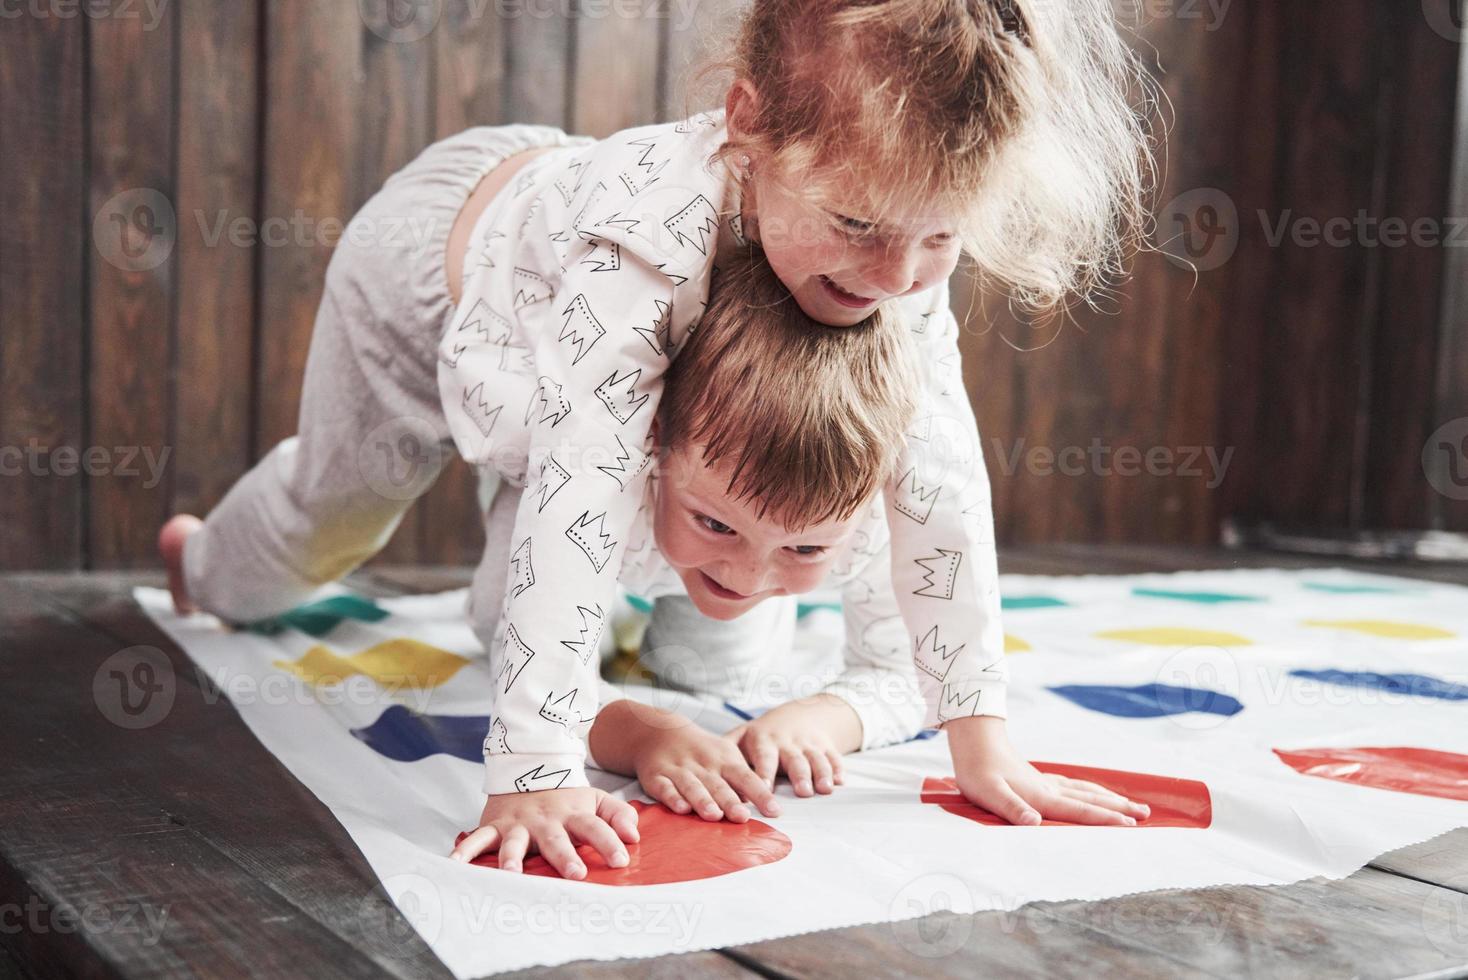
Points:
[(1452, 375), (313, 115), (45, 244), (218, 176), (1398, 413), (618, 52), (178, 830), (133, 274), (1323, 370), (538, 62)]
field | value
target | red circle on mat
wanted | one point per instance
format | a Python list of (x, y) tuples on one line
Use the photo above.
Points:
[(674, 847), (1402, 769), (1174, 802)]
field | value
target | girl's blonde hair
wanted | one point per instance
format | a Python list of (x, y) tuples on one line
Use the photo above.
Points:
[(811, 418), (1013, 118)]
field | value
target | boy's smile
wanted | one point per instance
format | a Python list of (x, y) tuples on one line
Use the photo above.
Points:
[(730, 558)]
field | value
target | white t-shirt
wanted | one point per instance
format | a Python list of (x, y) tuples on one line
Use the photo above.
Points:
[(582, 280)]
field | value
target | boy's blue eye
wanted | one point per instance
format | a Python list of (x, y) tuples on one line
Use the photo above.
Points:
[(809, 549), (717, 526)]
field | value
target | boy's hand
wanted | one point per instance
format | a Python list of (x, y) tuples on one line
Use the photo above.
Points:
[(687, 768), (514, 822), (803, 739), (991, 774)]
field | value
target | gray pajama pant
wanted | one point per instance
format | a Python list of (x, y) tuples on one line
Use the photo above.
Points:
[(371, 436)]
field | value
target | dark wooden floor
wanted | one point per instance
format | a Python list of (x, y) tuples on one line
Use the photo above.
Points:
[(192, 817)]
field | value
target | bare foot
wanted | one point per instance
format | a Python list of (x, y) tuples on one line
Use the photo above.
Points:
[(170, 548)]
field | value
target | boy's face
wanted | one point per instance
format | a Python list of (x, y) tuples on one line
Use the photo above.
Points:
[(730, 559)]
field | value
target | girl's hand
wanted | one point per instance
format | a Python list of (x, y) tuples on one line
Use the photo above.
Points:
[(803, 739), (990, 774), (515, 823), (686, 768)]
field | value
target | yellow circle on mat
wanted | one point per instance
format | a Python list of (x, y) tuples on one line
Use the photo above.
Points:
[(1385, 627), (1175, 636)]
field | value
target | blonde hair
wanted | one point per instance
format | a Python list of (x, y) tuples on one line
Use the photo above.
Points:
[(1015, 118), (811, 417)]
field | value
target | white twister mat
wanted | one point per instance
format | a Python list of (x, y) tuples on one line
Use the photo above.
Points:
[(1304, 722)]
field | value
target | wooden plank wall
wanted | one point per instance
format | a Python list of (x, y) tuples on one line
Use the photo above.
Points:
[(133, 139)]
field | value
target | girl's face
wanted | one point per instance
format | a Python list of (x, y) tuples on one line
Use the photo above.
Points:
[(728, 558), (836, 263)]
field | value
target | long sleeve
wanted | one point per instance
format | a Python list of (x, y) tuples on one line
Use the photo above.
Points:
[(878, 680), (939, 512), (604, 274)]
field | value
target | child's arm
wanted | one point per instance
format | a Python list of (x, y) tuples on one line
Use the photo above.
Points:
[(945, 572), (678, 763), (874, 701)]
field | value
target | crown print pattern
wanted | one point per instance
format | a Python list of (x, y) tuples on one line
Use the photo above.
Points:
[(586, 282)]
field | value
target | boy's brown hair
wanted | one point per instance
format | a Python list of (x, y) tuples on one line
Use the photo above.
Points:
[(811, 417)]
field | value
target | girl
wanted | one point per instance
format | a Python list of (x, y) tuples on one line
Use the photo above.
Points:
[(864, 144)]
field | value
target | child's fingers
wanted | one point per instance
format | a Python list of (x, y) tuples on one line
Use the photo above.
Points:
[(820, 770), (513, 847), (593, 830), (697, 796), (556, 847), (734, 809), (1005, 802), (838, 767), (621, 816), (1109, 801), (661, 788), (1074, 811), (797, 769), (1100, 795), (475, 844), (764, 759), (756, 789)]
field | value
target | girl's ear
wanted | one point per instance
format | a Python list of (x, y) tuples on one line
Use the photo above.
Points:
[(739, 107)]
